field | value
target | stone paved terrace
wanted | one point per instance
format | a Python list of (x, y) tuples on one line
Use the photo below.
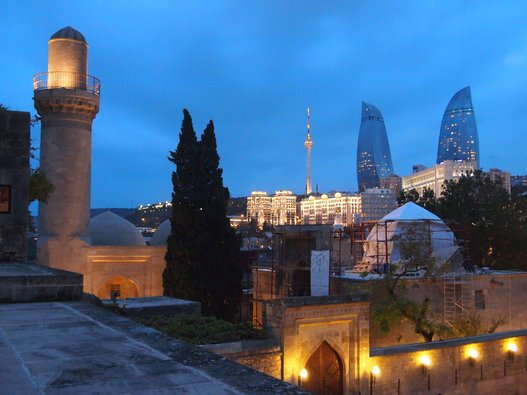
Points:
[(77, 348)]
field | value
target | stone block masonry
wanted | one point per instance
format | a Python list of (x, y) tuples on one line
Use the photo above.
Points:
[(486, 364), (14, 185)]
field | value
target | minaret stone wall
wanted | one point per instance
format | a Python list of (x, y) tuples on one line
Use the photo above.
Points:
[(67, 100)]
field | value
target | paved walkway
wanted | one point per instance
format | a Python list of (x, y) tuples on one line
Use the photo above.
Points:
[(77, 348)]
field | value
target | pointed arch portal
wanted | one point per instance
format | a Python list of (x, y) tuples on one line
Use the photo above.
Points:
[(325, 372)]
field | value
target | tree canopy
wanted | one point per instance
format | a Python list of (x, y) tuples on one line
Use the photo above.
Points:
[(497, 221), (202, 248)]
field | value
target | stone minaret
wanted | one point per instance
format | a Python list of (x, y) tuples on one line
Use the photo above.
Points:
[(308, 143), (67, 99)]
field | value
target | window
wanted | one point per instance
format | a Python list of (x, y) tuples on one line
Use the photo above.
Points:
[(115, 289), (479, 299), (5, 199)]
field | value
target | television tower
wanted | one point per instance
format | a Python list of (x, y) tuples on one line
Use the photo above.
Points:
[(308, 143)]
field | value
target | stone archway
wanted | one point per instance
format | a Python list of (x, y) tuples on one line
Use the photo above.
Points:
[(325, 370), (124, 287)]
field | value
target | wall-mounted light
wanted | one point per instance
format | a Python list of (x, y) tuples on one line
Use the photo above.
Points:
[(512, 348), (425, 362), (302, 376), (472, 356)]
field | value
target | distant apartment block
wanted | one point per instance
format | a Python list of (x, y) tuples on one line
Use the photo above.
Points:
[(338, 209), (376, 203), (341, 209), (278, 209), (518, 180), (503, 177), (434, 177), (393, 183)]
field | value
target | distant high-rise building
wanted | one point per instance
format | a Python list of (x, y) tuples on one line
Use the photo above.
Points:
[(458, 138), (434, 177), (393, 183), (374, 160), (309, 144)]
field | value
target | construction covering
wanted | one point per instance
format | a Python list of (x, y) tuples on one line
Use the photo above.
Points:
[(380, 248)]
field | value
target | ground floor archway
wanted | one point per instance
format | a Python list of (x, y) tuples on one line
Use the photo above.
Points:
[(122, 286), (325, 372)]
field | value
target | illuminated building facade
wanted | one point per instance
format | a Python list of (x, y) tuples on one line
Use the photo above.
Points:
[(338, 209), (458, 137), (284, 208), (374, 160), (279, 209), (259, 208), (434, 177), (341, 209)]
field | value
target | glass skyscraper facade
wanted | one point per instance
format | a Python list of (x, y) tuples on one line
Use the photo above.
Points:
[(458, 138), (374, 160)]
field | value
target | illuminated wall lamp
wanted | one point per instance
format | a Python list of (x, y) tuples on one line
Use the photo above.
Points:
[(425, 363), (375, 371), (303, 376), (511, 350), (472, 356)]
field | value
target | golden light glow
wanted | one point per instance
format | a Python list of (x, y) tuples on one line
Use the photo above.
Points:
[(375, 370), (473, 353), (303, 374), (512, 347), (425, 360)]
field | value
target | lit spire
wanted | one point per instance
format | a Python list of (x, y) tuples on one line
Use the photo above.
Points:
[(308, 144)]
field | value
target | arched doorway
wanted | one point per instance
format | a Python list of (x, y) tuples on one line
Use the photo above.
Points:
[(122, 286), (325, 372)]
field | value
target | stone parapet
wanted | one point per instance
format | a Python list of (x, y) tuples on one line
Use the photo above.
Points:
[(67, 101)]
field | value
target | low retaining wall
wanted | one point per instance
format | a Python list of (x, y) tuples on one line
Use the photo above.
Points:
[(262, 355), (493, 368)]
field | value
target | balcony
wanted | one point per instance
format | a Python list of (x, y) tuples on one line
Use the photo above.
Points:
[(67, 80)]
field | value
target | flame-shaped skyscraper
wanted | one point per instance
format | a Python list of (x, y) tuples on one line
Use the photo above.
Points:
[(374, 160), (458, 137)]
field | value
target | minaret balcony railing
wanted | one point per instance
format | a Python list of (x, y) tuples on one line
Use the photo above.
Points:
[(67, 80)]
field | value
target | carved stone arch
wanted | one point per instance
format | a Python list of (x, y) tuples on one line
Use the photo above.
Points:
[(124, 286), (325, 371)]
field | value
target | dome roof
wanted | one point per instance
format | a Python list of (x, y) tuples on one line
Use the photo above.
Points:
[(160, 237), (69, 32), (109, 229), (410, 211), (379, 243)]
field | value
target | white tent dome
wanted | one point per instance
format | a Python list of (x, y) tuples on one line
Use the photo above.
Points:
[(161, 235), (109, 229), (379, 247)]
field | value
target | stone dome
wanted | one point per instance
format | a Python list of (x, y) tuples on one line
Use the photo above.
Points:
[(161, 235), (69, 32), (109, 229)]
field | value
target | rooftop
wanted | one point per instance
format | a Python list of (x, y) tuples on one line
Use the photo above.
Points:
[(75, 347)]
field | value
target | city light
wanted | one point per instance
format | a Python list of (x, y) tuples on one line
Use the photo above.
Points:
[(303, 374), (375, 370), (472, 353)]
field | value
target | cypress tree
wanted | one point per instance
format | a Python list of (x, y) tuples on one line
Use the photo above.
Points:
[(202, 249)]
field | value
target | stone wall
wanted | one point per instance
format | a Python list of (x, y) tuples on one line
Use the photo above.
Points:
[(504, 295), (303, 324), (137, 265), (262, 355), (14, 185), (494, 370)]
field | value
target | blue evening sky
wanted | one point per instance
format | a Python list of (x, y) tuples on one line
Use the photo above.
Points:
[(254, 66)]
